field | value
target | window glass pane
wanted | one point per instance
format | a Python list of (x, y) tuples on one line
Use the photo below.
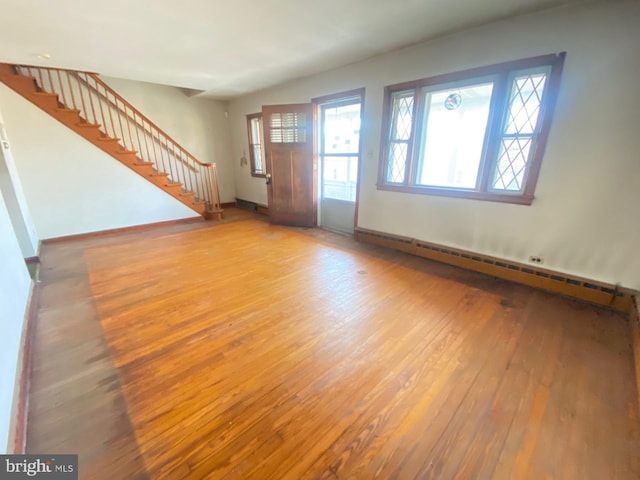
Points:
[(512, 162), (401, 124), (524, 103), (339, 177), (255, 130), (402, 115), (255, 143), (455, 122), (257, 158), (397, 162), (521, 126), (342, 129)]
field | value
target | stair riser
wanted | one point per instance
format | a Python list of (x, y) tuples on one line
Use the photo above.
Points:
[(69, 116), (144, 170), (160, 181), (46, 101), (174, 189), (127, 158)]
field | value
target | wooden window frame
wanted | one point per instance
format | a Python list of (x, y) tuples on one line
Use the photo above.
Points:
[(500, 98), (252, 144)]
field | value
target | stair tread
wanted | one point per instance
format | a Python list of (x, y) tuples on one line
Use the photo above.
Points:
[(68, 110)]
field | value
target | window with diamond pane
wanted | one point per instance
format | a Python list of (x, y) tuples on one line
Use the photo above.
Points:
[(400, 135), (478, 133), (521, 127)]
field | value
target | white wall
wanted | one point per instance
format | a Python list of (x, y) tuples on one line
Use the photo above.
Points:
[(198, 124), (14, 198), (584, 219), (14, 292), (70, 185)]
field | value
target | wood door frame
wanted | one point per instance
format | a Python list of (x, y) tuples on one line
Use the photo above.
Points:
[(317, 101)]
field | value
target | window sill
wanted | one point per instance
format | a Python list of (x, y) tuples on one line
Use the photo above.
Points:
[(260, 175), (470, 194)]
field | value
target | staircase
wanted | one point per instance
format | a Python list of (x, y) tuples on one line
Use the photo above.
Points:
[(92, 109)]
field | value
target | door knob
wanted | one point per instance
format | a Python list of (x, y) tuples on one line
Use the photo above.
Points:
[(268, 177)]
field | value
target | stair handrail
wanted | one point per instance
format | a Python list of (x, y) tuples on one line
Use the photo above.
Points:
[(152, 125), (206, 185), (104, 85)]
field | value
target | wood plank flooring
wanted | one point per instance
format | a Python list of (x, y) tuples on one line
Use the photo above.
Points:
[(249, 351)]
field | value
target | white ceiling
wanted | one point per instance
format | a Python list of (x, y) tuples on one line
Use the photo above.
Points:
[(228, 48)]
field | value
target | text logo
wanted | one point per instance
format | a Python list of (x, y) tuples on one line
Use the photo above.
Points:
[(50, 467)]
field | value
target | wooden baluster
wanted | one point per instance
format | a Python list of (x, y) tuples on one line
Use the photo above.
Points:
[(64, 97), (93, 110), (85, 112), (99, 101), (176, 163), (52, 90), (173, 175), (146, 144), (113, 126), (194, 174), (185, 161), (216, 190), (126, 116), (184, 174), (119, 114), (203, 188), (164, 166), (210, 187), (136, 126), (40, 77), (73, 97), (192, 170), (153, 147)]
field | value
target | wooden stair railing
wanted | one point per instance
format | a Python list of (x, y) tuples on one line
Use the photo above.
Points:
[(87, 105)]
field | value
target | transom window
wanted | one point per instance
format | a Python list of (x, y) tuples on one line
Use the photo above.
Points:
[(477, 134), (256, 152)]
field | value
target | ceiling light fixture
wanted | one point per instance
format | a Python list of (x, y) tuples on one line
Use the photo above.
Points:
[(44, 56)]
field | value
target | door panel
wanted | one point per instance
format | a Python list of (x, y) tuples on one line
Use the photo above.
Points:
[(291, 187), (338, 215), (339, 154)]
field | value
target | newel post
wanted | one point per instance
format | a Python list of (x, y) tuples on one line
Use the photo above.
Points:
[(214, 206)]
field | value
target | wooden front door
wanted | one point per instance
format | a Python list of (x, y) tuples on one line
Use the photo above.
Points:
[(291, 173)]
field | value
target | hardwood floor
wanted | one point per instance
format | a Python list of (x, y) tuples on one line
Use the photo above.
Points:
[(245, 350)]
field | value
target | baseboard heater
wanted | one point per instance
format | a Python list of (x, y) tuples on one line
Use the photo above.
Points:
[(608, 295), (252, 206), (246, 205)]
